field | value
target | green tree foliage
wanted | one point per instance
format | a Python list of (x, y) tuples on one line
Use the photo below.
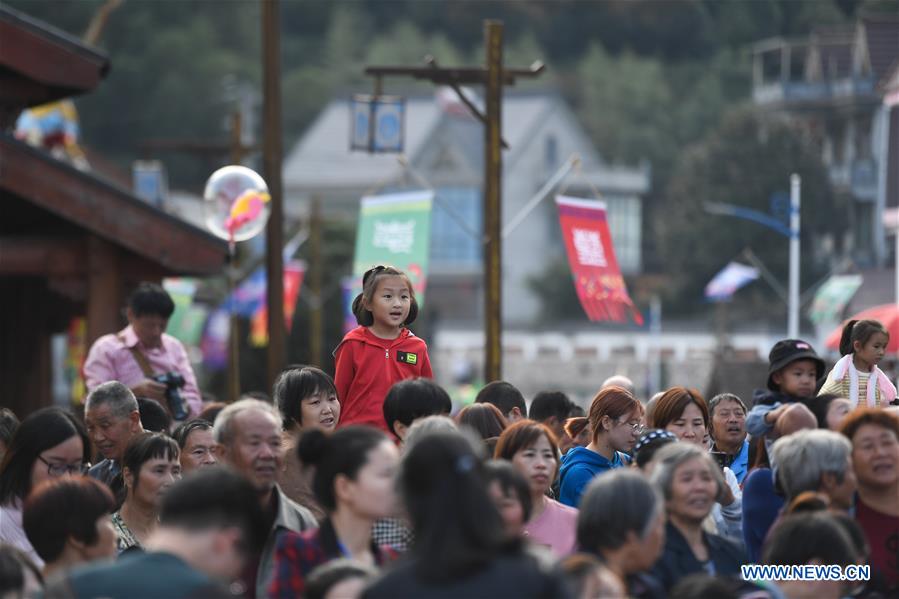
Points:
[(744, 162)]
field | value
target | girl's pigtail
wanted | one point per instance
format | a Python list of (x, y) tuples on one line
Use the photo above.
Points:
[(846, 338), (363, 317)]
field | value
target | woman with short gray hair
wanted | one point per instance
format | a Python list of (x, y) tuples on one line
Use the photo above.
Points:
[(691, 482), (815, 460), (622, 521)]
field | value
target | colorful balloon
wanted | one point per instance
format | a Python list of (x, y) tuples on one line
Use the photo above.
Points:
[(237, 203)]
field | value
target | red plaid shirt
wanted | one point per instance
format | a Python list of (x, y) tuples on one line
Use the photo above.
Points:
[(298, 554)]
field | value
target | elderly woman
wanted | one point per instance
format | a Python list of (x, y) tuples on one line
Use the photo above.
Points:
[(684, 412), (691, 483), (622, 521), (816, 460)]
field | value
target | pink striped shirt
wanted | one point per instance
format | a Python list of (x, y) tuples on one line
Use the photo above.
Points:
[(110, 359)]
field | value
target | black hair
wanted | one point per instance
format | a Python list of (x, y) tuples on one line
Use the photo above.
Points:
[(296, 384), (457, 528), (370, 285), (216, 498), (153, 416), (8, 425), (411, 399), (510, 480), (184, 430), (803, 537), (504, 396), (343, 452), (547, 404), (151, 299), (40, 431), (65, 507), (644, 455), (144, 447), (483, 418), (819, 406), (861, 331)]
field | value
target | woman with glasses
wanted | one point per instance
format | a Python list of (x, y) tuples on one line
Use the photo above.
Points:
[(684, 412), (50, 443), (150, 466), (615, 419), (532, 449)]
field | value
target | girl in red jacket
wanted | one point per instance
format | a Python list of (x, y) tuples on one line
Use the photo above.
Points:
[(381, 350)]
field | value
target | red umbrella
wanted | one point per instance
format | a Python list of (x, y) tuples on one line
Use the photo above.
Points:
[(887, 314)]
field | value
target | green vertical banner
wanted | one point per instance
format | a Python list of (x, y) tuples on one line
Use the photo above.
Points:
[(395, 230)]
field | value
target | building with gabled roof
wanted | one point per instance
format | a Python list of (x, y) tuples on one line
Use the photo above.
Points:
[(444, 150)]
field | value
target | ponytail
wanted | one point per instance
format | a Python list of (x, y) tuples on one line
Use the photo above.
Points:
[(846, 338), (343, 452)]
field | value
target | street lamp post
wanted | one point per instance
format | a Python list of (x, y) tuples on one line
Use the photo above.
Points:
[(792, 232)]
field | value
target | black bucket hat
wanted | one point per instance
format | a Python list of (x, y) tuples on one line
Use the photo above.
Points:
[(786, 352)]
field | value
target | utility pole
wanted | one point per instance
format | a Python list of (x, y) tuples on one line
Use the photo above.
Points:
[(793, 303), (493, 180), (271, 160), (493, 77)]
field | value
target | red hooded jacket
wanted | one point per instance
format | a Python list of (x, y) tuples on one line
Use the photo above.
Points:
[(367, 366)]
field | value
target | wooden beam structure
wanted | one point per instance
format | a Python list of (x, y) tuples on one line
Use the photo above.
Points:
[(493, 77)]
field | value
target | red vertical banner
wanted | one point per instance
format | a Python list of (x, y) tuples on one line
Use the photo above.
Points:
[(594, 268)]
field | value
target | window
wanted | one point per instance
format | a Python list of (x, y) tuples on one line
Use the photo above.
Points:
[(452, 244)]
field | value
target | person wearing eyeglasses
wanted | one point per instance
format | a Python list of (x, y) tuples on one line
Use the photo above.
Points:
[(615, 419), (50, 443), (685, 413)]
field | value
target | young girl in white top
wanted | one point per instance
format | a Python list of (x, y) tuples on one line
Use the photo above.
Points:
[(856, 375)]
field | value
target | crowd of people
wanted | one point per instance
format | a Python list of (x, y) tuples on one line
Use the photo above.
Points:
[(373, 484)]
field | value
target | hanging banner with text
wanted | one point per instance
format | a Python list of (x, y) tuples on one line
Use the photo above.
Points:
[(394, 230), (594, 268)]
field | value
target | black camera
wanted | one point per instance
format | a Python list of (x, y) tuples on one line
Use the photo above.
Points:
[(173, 382)]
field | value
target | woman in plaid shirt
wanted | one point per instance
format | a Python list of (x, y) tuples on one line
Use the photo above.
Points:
[(354, 482)]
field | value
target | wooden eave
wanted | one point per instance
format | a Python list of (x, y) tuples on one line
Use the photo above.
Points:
[(39, 63), (107, 211)]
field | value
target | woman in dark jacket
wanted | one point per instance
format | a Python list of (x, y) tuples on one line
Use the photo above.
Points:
[(355, 474), (691, 483), (460, 549)]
